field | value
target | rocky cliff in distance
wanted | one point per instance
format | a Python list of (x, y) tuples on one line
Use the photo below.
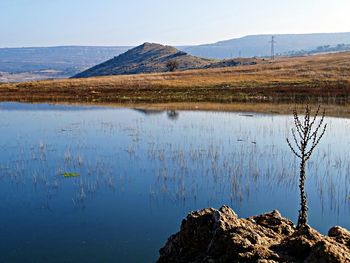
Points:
[(219, 236), (146, 58)]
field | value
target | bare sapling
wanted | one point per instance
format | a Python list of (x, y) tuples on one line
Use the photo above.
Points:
[(306, 134)]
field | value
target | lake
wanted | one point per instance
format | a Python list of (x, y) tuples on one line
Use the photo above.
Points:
[(99, 184)]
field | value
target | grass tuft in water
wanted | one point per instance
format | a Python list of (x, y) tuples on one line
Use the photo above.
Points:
[(67, 175)]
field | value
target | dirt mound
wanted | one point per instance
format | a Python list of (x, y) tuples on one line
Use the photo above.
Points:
[(212, 236)]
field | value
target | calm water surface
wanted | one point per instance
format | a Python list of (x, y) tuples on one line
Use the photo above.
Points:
[(140, 172)]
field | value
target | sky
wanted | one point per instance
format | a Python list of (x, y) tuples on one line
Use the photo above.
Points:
[(26, 23)]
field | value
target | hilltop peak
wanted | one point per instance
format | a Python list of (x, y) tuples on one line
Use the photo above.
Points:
[(147, 46)]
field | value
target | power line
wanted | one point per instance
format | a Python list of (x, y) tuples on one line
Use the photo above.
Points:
[(273, 42)]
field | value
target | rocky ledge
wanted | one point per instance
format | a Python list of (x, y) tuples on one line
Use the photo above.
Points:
[(213, 236)]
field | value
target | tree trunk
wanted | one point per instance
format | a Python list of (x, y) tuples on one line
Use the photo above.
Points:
[(302, 219)]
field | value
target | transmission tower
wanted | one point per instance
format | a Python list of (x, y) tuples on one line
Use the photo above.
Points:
[(273, 42)]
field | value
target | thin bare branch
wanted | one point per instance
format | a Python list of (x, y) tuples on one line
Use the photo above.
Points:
[(308, 154), (314, 134), (306, 118), (298, 124), (296, 118), (295, 140), (313, 121), (292, 149)]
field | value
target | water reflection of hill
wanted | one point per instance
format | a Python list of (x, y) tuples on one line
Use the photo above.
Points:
[(172, 114)]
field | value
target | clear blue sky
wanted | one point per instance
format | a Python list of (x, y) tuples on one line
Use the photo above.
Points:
[(131, 22)]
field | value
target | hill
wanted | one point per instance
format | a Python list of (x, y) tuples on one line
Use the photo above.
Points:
[(146, 58), (258, 45), (321, 79)]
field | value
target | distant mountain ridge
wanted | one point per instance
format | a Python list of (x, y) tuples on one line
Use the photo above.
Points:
[(259, 46), (146, 58)]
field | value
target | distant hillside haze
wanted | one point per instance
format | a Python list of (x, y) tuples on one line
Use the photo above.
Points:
[(66, 59), (259, 46), (146, 58)]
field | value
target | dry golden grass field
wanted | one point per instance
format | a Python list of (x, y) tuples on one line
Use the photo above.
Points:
[(322, 79)]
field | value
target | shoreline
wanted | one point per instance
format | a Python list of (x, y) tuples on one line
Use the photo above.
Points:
[(269, 87), (332, 110)]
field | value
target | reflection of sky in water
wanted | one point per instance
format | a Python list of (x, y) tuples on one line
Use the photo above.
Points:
[(141, 173)]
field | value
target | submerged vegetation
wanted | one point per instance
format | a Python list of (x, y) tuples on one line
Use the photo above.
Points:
[(180, 170), (71, 175)]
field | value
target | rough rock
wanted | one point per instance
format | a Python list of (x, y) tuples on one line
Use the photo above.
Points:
[(219, 236)]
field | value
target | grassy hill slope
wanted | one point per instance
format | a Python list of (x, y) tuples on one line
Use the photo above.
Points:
[(322, 79)]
